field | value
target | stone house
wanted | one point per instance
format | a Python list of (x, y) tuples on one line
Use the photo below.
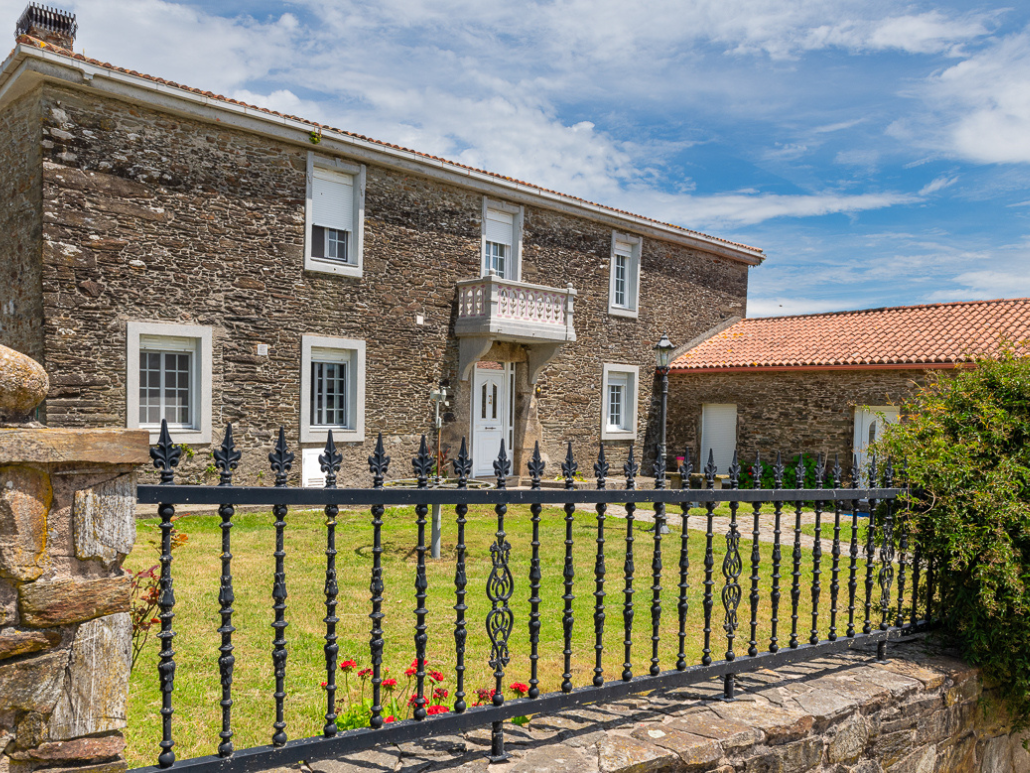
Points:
[(172, 253), (823, 383)]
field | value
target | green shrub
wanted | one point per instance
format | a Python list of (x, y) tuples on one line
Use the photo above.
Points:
[(790, 476), (965, 443)]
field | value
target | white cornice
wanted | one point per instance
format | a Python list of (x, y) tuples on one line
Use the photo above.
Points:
[(28, 65)]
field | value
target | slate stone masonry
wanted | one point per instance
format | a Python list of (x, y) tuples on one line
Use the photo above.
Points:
[(152, 217)]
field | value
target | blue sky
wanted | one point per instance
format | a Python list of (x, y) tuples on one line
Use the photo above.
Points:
[(878, 151)]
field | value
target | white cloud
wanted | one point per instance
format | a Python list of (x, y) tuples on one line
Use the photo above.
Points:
[(989, 283), (938, 184), (978, 109), (732, 210)]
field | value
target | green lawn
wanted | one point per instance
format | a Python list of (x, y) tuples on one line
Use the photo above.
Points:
[(197, 568)]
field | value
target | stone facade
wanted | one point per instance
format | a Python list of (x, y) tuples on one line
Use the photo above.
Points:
[(66, 523), (788, 411), (21, 191), (153, 217)]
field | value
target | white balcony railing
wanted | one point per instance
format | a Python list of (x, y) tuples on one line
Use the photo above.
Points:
[(514, 311)]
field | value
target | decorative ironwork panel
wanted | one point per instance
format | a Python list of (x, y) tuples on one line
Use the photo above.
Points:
[(732, 566)]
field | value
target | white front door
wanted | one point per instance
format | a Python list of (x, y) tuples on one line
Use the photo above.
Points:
[(869, 421), (491, 415)]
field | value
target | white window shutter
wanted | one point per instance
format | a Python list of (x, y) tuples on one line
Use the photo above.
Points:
[(500, 227), (332, 200)]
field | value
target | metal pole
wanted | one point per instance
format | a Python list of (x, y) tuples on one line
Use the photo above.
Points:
[(436, 531), (664, 372)]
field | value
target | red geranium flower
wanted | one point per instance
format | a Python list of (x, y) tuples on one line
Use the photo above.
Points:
[(439, 693), (389, 684), (411, 671), (412, 699), (348, 665), (389, 719), (365, 673), (436, 676), (324, 685), (437, 710), (519, 689)]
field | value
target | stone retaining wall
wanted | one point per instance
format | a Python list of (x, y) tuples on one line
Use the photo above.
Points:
[(920, 712), (67, 500)]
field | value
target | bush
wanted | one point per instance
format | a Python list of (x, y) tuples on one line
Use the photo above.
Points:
[(965, 443), (790, 477)]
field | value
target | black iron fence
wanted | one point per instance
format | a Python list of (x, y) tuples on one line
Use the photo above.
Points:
[(874, 592)]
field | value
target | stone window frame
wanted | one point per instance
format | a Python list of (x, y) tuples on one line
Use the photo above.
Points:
[(632, 310), (201, 384), (357, 171), (316, 434), (632, 401), (518, 219)]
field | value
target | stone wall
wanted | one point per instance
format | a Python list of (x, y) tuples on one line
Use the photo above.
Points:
[(786, 411), (67, 505), (923, 711), (21, 194), (151, 217)]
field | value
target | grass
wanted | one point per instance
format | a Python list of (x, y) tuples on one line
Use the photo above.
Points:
[(197, 569)]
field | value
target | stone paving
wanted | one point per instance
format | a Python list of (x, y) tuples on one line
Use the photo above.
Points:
[(916, 713)]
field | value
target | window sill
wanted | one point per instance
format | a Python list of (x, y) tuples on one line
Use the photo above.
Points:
[(618, 434), (309, 434), (619, 311), (188, 436), (333, 267)]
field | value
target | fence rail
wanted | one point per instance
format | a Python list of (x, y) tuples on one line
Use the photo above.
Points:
[(867, 597)]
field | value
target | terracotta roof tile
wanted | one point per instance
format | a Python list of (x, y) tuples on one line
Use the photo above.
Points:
[(940, 333), (29, 40)]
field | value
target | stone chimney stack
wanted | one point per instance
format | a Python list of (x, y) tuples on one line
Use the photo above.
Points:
[(50, 25)]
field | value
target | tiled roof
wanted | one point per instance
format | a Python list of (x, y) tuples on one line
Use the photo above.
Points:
[(29, 40), (935, 334)]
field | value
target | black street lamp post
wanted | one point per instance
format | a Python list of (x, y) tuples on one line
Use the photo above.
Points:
[(663, 358)]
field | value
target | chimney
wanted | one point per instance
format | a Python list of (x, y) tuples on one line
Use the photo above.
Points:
[(50, 25)]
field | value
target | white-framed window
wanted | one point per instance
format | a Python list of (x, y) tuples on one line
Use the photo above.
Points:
[(332, 383), (334, 216), (619, 402), (169, 377), (502, 239), (624, 282)]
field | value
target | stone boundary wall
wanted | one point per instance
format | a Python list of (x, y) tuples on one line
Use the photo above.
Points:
[(67, 503), (923, 711)]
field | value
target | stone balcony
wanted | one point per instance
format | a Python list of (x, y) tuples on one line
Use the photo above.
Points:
[(493, 309)]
